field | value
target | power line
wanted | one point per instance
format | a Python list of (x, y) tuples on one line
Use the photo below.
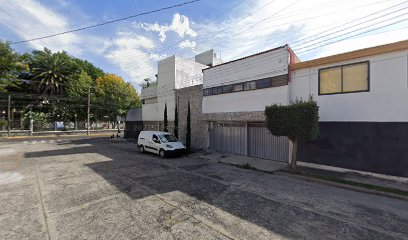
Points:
[(357, 24), (108, 22), (370, 30), (138, 68)]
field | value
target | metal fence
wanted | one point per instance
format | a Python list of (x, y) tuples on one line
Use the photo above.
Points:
[(28, 114)]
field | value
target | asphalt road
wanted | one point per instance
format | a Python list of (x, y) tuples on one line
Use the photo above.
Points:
[(100, 189)]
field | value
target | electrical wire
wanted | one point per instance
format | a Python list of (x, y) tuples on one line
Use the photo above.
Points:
[(107, 22)]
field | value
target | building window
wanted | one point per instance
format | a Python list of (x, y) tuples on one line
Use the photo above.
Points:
[(250, 86), (275, 81), (238, 87), (216, 90), (344, 79), (263, 83), (207, 91), (227, 88)]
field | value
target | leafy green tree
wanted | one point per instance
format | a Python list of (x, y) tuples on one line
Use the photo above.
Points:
[(114, 96), (40, 119), (148, 83), (51, 71), (298, 121), (188, 133), (176, 122), (87, 67), (77, 91), (10, 67), (165, 118)]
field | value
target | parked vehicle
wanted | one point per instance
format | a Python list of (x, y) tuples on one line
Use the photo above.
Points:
[(162, 143)]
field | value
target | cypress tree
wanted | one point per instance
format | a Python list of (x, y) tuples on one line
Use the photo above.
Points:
[(165, 118), (176, 122), (188, 134)]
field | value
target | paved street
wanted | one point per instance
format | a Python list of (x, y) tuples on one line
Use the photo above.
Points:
[(100, 189)]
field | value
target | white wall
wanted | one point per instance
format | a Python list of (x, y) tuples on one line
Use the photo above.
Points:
[(149, 112), (269, 64), (165, 87), (387, 100), (173, 73), (246, 101), (188, 73), (149, 92), (264, 65)]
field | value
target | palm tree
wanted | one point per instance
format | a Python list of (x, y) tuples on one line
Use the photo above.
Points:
[(51, 70)]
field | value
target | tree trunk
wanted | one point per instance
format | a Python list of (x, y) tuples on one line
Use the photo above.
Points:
[(294, 155)]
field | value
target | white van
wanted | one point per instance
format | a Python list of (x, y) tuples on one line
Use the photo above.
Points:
[(162, 143)]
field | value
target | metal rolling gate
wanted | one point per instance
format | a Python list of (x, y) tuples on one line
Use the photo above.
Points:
[(262, 144), (252, 140), (229, 137)]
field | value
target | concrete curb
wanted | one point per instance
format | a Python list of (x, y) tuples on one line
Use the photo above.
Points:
[(346, 186), (55, 136)]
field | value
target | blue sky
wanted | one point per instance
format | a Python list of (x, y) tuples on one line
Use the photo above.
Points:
[(234, 28)]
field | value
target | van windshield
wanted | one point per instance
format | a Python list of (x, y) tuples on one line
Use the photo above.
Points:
[(167, 138)]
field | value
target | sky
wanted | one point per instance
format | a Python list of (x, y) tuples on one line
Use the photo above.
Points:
[(233, 28)]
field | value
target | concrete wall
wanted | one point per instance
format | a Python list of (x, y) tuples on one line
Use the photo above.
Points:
[(268, 64), (165, 87), (208, 58), (188, 73), (387, 100), (245, 101), (150, 112), (199, 128), (365, 131), (173, 73)]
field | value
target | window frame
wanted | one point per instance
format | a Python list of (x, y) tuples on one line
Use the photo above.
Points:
[(238, 84), (341, 66), (227, 88), (260, 81), (207, 92), (214, 90)]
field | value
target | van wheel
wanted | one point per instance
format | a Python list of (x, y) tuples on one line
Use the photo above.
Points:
[(162, 154), (142, 149)]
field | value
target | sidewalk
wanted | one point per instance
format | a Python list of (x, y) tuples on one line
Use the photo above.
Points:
[(355, 177), (352, 180), (249, 162)]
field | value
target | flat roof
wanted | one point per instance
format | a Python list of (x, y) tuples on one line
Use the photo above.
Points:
[(392, 47), (253, 55)]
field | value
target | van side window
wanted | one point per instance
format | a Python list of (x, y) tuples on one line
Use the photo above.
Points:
[(155, 138)]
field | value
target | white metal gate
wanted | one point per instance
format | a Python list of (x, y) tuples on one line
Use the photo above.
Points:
[(229, 137), (262, 144), (252, 139)]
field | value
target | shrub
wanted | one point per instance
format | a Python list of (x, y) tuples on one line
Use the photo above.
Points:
[(298, 121), (176, 122), (188, 133), (165, 118)]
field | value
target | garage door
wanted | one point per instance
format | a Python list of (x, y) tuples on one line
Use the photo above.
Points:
[(229, 137), (262, 144)]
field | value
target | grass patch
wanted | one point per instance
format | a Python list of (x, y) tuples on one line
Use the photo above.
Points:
[(356, 184)]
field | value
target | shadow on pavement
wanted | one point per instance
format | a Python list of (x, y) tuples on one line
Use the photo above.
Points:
[(128, 170)]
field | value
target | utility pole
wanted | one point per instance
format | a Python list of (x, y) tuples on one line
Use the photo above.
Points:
[(89, 109), (8, 115), (31, 121)]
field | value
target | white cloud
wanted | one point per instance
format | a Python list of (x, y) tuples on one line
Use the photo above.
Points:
[(180, 25), (30, 19), (188, 44), (265, 24), (157, 57), (130, 52)]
